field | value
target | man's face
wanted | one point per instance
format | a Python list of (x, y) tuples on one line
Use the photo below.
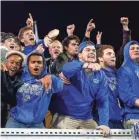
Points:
[(14, 63), (72, 48), (108, 59), (35, 65), (28, 38), (88, 54), (134, 51), (9, 43), (55, 49)]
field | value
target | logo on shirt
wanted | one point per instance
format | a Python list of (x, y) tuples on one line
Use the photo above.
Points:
[(28, 90), (112, 82), (137, 73), (96, 81)]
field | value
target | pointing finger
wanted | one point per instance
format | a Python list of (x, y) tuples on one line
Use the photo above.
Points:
[(91, 20), (30, 16)]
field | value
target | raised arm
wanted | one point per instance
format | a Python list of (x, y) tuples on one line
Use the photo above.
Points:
[(126, 38), (126, 30), (89, 28), (70, 29), (30, 21), (50, 37), (98, 39)]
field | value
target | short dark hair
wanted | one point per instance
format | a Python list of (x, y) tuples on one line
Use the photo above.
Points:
[(34, 54), (5, 36), (67, 40), (100, 50), (2, 35)]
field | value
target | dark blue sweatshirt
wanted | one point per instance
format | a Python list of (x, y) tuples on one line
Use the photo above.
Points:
[(114, 108), (77, 99), (33, 99), (128, 83)]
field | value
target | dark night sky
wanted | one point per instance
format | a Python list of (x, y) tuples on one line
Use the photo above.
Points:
[(50, 15)]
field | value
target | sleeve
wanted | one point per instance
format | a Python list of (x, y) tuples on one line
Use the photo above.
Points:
[(70, 68), (102, 101), (119, 56), (7, 90), (124, 87), (57, 84), (42, 42), (60, 61), (98, 46), (85, 39), (46, 51), (126, 37)]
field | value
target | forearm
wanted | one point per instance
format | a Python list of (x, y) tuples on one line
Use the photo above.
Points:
[(126, 37), (103, 110), (87, 34), (57, 84), (69, 69), (98, 46), (85, 39)]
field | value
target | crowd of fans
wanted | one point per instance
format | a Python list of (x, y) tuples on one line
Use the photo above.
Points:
[(71, 84)]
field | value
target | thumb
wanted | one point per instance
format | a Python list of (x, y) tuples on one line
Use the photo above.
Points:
[(38, 80), (98, 128)]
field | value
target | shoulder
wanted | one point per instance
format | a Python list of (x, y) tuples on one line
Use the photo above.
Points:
[(124, 70), (62, 56)]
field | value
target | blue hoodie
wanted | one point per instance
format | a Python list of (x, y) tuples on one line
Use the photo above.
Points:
[(77, 99), (28, 49), (33, 99), (128, 81), (114, 108)]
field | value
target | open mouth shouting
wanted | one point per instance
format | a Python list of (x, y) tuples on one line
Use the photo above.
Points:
[(12, 72), (36, 70), (32, 39), (56, 52)]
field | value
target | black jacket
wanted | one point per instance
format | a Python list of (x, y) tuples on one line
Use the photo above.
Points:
[(9, 86)]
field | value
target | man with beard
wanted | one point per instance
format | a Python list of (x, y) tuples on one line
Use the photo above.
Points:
[(107, 60), (128, 84)]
